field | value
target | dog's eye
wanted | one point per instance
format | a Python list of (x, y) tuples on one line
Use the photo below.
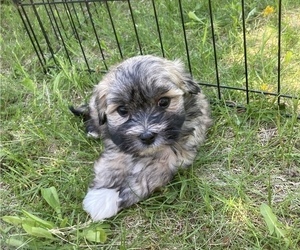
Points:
[(164, 102), (122, 111)]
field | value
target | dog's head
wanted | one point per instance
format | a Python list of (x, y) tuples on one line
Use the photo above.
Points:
[(141, 103)]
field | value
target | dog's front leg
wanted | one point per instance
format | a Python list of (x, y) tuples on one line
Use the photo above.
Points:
[(102, 199), (141, 185)]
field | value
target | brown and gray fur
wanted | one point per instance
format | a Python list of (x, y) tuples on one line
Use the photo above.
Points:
[(152, 118)]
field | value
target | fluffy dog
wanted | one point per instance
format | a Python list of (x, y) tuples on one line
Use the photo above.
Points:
[(151, 117)]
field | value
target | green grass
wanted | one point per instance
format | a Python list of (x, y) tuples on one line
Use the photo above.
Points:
[(251, 157)]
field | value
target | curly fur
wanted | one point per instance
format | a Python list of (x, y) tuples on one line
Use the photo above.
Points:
[(152, 118)]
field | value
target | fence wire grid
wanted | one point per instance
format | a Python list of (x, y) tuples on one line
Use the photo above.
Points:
[(223, 44)]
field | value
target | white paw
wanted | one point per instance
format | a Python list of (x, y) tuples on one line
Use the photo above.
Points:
[(93, 134), (101, 203)]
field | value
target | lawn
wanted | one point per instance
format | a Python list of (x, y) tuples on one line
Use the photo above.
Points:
[(243, 190)]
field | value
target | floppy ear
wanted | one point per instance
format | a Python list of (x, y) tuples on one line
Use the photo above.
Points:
[(93, 114), (191, 86), (84, 113), (98, 105)]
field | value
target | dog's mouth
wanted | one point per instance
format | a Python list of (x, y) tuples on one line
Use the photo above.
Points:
[(157, 145), (149, 143)]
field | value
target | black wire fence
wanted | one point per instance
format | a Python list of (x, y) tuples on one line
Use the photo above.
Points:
[(235, 48)]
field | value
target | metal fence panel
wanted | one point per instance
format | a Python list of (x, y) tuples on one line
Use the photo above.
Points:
[(94, 34)]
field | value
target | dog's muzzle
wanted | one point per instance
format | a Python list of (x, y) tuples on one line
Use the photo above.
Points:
[(147, 137)]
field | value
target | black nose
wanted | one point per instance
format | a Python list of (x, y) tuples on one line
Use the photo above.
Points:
[(147, 138)]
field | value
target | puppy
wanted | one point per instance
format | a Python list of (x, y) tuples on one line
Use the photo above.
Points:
[(151, 117)]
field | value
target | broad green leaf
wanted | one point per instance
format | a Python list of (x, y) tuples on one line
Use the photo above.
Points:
[(105, 226), (95, 235), (272, 221), (251, 13), (288, 56), (6, 229), (29, 84), (38, 220), (30, 222), (27, 228), (15, 220), (15, 242), (237, 120), (64, 222), (42, 232), (193, 16), (269, 217), (37, 231), (279, 232), (51, 196)]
